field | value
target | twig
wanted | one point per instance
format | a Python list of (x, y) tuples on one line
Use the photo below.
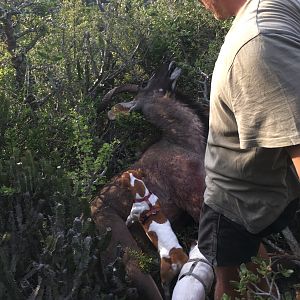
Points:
[(273, 245), (204, 85), (291, 240)]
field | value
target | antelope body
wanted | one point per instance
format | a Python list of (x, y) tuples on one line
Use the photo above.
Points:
[(173, 168)]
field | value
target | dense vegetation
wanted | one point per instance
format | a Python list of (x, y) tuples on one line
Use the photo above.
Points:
[(57, 60)]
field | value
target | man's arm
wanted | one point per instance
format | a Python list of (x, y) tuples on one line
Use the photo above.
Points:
[(294, 152)]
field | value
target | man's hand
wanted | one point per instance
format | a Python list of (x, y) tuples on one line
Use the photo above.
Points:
[(294, 152)]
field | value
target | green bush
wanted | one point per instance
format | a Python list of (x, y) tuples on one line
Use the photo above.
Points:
[(57, 147)]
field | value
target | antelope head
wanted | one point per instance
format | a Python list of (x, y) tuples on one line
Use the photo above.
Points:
[(161, 83)]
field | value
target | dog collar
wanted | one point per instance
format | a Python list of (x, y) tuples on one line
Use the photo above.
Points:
[(153, 209), (146, 199)]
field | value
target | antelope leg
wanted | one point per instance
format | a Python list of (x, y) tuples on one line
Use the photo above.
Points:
[(107, 217)]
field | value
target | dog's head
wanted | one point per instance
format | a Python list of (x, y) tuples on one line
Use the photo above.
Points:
[(171, 266), (132, 180)]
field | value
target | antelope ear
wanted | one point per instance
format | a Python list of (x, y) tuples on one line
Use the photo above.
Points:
[(164, 79), (174, 75)]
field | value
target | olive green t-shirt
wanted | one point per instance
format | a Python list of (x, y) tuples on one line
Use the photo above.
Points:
[(254, 114)]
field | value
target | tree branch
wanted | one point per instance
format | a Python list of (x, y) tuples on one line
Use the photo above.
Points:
[(33, 42), (291, 240), (21, 34), (100, 80)]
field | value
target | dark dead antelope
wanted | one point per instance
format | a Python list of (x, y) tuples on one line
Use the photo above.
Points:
[(173, 167)]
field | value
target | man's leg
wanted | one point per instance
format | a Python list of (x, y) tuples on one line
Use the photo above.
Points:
[(223, 286), (224, 276), (226, 245)]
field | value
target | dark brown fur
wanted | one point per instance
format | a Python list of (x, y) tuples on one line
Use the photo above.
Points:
[(173, 170)]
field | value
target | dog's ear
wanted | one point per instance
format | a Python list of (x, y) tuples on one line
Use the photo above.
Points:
[(140, 173), (166, 272), (124, 180), (137, 173)]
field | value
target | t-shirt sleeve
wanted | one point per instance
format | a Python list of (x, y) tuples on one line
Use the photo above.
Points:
[(264, 82)]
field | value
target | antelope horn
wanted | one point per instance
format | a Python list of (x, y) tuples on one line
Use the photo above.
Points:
[(130, 88)]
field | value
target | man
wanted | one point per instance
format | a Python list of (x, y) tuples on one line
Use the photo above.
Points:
[(253, 150)]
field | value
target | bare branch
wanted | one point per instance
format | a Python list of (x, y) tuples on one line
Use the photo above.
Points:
[(273, 245), (291, 240), (100, 80), (11, 40), (25, 4), (36, 103), (21, 34), (121, 68), (90, 52), (101, 3), (204, 85), (33, 42)]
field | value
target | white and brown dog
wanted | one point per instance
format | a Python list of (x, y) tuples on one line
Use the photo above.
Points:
[(146, 209), (195, 278)]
